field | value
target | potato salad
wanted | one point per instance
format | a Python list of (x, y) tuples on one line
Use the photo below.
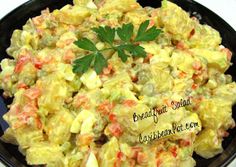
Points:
[(109, 83)]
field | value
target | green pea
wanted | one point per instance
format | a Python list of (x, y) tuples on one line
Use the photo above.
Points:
[(143, 76), (148, 89)]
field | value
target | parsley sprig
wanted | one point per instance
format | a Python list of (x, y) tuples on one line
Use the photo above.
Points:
[(125, 48)]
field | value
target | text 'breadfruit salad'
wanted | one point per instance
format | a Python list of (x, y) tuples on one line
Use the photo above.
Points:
[(112, 84)]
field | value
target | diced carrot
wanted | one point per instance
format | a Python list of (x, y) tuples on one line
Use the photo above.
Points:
[(117, 163), (129, 103), (152, 23), (17, 125), (69, 56), (37, 63), (106, 107), (167, 102), (6, 78), (38, 123), (196, 65), (132, 163), (182, 74), (69, 41), (15, 109), (194, 86), (184, 143), (22, 86), (81, 101), (198, 99), (147, 59), (159, 162), (32, 93), (115, 129), (108, 70), (119, 155), (142, 158), (135, 151), (30, 109), (180, 45), (84, 139), (62, 44), (48, 59), (112, 117), (20, 63), (150, 56), (173, 150), (37, 20), (23, 117)]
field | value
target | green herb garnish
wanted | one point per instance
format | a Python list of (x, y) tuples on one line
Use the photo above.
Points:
[(107, 35)]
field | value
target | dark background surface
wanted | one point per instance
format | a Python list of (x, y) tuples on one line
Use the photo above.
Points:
[(17, 18)]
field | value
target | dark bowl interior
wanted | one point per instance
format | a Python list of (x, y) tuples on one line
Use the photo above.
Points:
[(17, 18)]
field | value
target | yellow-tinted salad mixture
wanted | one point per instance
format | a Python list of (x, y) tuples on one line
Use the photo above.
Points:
[(150, 103)]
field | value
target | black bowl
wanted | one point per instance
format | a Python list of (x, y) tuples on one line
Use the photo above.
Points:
[(9, 154)]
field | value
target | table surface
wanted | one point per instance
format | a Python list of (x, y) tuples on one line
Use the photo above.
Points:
[(224, 9)]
